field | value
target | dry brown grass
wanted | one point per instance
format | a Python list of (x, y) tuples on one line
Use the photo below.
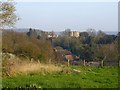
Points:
[(38, 67), (13, 67)]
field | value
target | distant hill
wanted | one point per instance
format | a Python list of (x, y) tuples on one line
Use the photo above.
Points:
[(59, 32), (107, 32), (19, 29), (111, 32), (22, 29)]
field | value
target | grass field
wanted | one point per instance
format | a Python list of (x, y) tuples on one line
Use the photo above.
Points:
[(88, 77)]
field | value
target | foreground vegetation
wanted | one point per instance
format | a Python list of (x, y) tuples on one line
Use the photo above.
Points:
[(88, 77)]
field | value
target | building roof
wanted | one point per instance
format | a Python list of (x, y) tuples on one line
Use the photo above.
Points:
[(69, 57)]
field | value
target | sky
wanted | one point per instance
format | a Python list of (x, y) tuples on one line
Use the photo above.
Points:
[(58, 16), (66, 0)]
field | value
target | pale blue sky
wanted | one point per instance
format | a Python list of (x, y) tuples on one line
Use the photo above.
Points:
[(78, 16)]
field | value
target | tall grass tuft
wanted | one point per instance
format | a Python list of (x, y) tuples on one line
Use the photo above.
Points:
[(17, 66)]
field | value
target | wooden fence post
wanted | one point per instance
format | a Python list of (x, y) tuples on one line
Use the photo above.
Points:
[(38, 61), (50, 61), (68, 62), (119, 63), (102, 63), (84, 62)]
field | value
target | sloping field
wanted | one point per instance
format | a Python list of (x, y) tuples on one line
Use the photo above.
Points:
[(72, 77)]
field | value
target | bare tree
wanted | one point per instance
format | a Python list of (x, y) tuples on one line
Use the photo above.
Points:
[(8, 16), (91, 32)]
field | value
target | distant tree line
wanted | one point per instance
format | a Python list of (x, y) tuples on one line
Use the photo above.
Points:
[(90, 45)]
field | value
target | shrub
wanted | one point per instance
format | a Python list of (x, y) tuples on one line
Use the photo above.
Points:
[(19, 43)]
